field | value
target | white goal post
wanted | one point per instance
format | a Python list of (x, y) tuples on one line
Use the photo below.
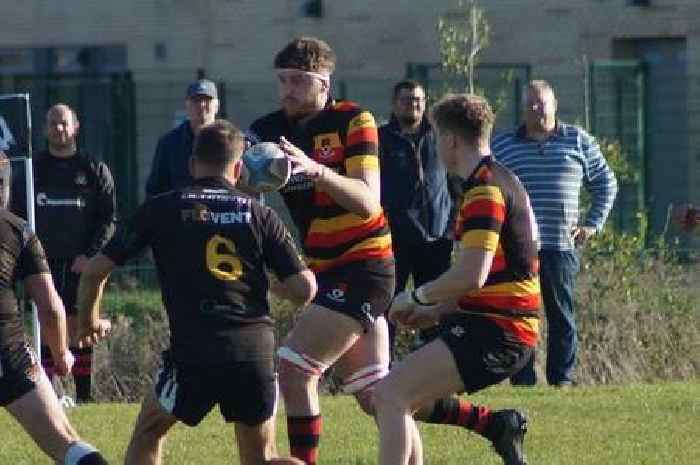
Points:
[(16, 142)]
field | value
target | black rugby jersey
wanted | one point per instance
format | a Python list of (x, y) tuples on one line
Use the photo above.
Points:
[(212, 245), (21, 255), (74, 204)]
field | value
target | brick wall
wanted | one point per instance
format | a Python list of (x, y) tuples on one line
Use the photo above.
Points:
[(235, 40)]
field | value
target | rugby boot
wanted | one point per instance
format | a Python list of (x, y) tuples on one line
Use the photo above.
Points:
[(507, 432)]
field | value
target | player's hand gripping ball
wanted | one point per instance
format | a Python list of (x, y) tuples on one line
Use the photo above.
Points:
[(266, 168)]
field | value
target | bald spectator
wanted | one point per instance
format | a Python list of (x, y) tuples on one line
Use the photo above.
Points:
[(75, 209), (554, 160)]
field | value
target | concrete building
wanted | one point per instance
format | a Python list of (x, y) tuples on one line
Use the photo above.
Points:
[(164, 43)]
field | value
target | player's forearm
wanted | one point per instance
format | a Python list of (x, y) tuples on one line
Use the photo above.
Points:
[(52, 314), (89, 297), (468, 273), (350, 193), (300, 288), (53, 323), (448, 287)]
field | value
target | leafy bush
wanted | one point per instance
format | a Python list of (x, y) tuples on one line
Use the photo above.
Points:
[(127, 362), (637, 313), (636, 307)]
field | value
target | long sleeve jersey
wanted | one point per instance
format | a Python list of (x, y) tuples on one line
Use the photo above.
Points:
[(75, 204), (553, 172)]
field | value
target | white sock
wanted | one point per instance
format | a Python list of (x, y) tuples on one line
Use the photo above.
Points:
[(77, 451)]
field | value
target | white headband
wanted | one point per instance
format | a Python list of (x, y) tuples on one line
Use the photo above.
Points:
[(322, 76)]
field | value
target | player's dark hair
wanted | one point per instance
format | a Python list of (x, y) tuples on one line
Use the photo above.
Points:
[(408, 84), (467, 115), (219, 143), (307, 54)]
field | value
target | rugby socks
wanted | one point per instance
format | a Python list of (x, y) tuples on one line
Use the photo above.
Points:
[(460, 412), (82, 372), (47, 362), (304, 433), (82, 453)]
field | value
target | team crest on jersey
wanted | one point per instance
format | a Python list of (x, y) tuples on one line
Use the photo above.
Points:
[(80, 179), (337, 294), (457, 331), (327, 147)]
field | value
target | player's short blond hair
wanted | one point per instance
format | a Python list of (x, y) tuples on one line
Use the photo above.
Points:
[(467, 115)]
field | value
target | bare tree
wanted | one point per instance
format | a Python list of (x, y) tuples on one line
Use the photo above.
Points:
[(463, 33)]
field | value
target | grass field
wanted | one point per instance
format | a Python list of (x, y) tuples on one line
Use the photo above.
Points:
[(640, 425)]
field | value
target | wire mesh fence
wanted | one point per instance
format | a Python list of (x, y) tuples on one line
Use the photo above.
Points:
[(122, 118)]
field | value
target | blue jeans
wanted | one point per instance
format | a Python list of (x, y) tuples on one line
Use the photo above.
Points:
[(558, 271)]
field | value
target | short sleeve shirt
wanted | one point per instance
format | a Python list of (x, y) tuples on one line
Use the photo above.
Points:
[(21, 255), (212, 246)]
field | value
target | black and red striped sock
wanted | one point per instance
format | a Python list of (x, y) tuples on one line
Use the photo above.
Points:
[(82, 373), (459, 412), (304, 433)]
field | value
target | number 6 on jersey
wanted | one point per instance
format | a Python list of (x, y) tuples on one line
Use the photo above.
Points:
[(224, 265)]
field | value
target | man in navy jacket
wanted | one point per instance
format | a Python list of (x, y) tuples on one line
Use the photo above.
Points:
[(414, 190), (170, 168)]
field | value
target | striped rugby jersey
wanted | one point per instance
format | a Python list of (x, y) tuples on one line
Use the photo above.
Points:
[(495, 215), (553, 172), (344, 138)]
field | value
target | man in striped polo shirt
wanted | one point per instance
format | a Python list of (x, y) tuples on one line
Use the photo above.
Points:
[(553, 161)]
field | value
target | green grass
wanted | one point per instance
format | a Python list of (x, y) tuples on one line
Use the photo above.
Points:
[(639, 424), (134, 303)]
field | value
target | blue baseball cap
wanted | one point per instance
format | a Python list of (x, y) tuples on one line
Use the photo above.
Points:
[(202, 87)]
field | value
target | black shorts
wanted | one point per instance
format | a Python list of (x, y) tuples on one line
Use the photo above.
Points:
[(484, 353), (66, 283), (19, 373), (361, 290), (246, 392)]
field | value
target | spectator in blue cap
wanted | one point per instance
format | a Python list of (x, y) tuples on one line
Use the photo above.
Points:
[(170, 166)]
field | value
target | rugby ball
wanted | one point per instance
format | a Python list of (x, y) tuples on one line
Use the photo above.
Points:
[(266, 167)]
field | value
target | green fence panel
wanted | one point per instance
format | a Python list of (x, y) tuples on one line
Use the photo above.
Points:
[(617, 90)]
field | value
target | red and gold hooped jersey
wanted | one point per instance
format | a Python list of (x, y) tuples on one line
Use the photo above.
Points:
[(343, 137)]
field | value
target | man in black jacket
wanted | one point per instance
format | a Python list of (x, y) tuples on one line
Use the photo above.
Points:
[(75, 214), (415, 193)]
